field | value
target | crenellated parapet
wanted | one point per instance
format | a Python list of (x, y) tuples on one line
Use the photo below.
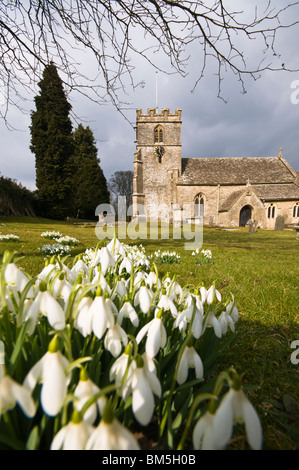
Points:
[(153, 116)]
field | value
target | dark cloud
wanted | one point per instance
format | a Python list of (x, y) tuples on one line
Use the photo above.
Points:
[(254, 124)]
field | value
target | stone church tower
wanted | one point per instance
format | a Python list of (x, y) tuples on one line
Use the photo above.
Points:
[(157, 162)]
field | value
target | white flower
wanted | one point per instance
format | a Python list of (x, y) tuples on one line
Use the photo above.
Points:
[(119, 289), (126, 264), (116, 247), (236, 408), (232, 310), (156, 336), (167, 304), (48, 272), (212, 294), (114, 339), (139, 277), (78, 268), (203, 293), (73, 436), (153, 280), (101, 316), (128, 311), (11, 393), (189, 358), (61, 289), (204, 433), (50, 370), (118, 370), (15, 279), (185, 317), (144, 385), (212, 322), (46, 305), (106, 259), (85, 390), (83, 320), (143, 298), (100, 280), (111, 436), (228, 318)]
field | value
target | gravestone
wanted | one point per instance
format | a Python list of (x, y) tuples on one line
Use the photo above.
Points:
[(252, 226), (211, 221), (279, 223)]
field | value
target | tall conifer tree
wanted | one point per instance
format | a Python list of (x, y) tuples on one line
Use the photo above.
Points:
[(89, 184), (52, 144)]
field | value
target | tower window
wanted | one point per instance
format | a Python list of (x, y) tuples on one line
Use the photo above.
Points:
[(271, 211), (158, 134), (296, 210)]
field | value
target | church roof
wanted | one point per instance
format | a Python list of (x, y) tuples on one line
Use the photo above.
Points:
[(231, 200), (276, 192), (266, 192), (236, 171)]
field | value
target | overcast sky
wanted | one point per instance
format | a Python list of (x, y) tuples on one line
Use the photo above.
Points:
[(255, 124)]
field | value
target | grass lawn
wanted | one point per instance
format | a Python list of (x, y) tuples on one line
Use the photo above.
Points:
[(261, 270)]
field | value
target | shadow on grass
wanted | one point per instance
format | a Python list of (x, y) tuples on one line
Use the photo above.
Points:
[(263, 354)]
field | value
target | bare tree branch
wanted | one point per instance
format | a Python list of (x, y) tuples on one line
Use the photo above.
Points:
[(112, 33)]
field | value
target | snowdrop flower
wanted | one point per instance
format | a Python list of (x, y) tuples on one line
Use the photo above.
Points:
[(48, 272), (126, 264), (120, 289), (83, 320), (156, 335), (128, 311), (100, 280), (78, 268), (15, 279), (167, 304), (111, 435), (50, 369), (116, 247), (189, 359), (139, 277), (144, 385), (185, 317), (212, 294), (106, 259), (232, 310), (61, 288), (85, 390), (121, 372), (236, 408), (153, 280), (205, 433), (229, 317), (211, 321), (73, 436), (175, 291), (143, 298), (114, 339), (101, 314), (46, 305), (203, 294), (12, 393)]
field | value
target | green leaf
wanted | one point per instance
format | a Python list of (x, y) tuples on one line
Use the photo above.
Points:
[(33, 439)]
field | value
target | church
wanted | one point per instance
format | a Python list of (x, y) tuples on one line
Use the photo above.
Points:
[(225, 192)]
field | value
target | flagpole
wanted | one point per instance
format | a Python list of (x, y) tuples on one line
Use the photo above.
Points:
[(156, 90)]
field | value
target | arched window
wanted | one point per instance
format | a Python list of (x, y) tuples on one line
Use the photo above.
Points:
[(296, 210), (199, 206), (158, 134), (271, 211)]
